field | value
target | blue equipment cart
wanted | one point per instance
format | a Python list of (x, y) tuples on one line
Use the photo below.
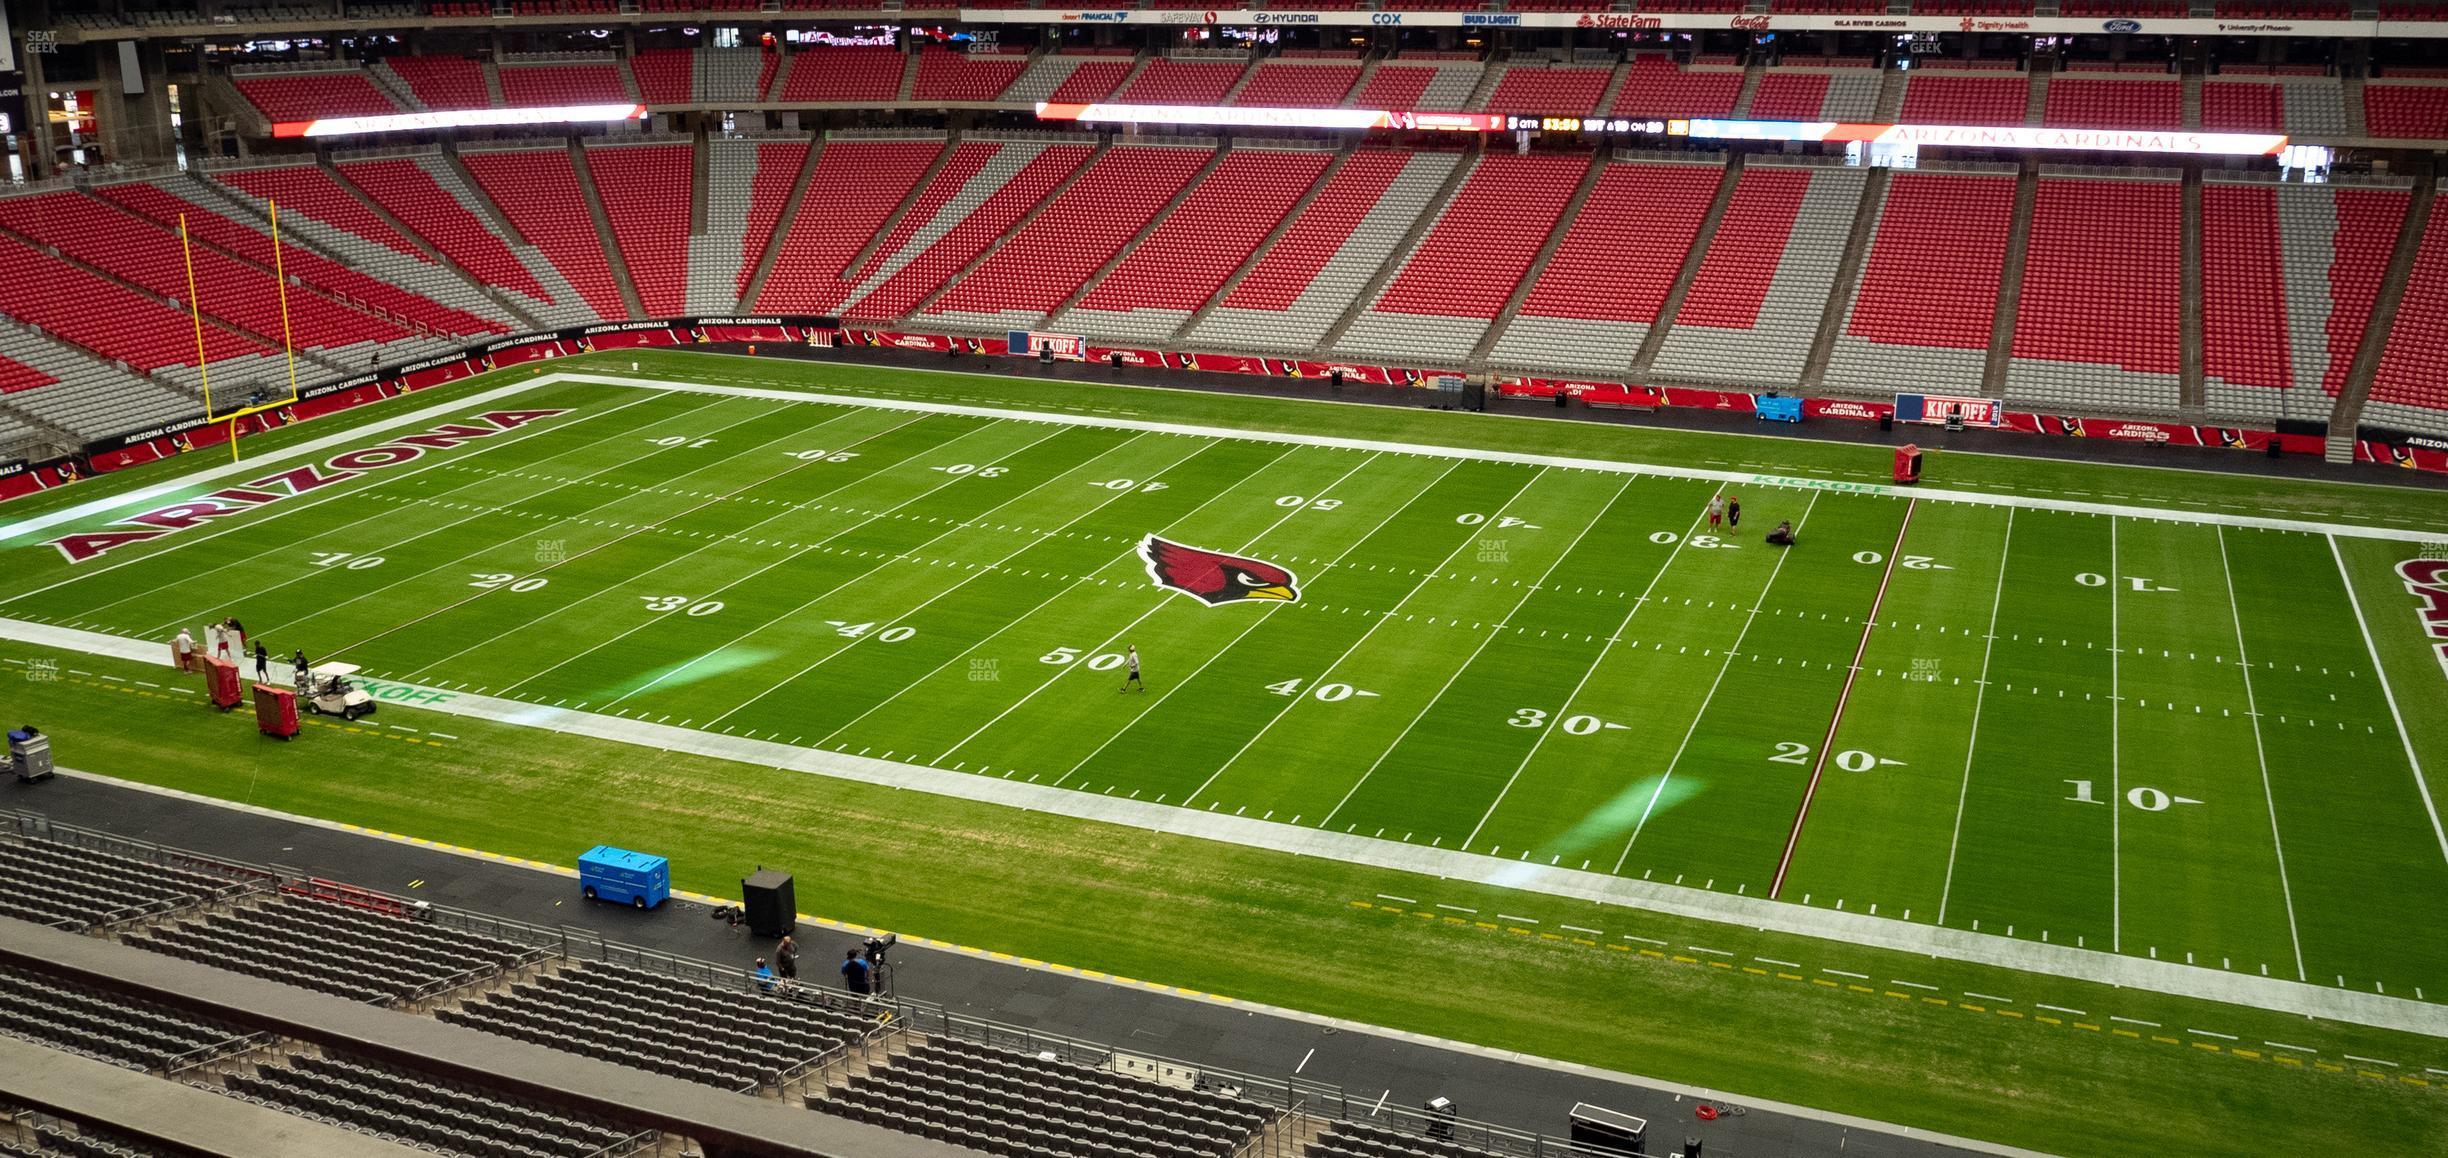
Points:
[(624, 877)]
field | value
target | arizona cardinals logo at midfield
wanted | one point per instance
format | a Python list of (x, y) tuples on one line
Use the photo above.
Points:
[(1212, 577)]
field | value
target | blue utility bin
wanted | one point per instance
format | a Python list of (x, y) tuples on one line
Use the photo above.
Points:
[(623, 877)]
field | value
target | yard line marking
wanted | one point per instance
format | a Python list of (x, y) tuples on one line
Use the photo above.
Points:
[(1676, 760), (1910, 984), (2370, 1061), (1991, 997), (2423, 787), (1159, 605), (1980, 693), (1328, 671), (2063, 1010), (572, 557), (1842, 973), (1484, 641), (2286, 890), (1390, 897), (1774, 961), (1022, 617), (302, 502), (2296, 1048), (2116, 756), (2133, 1021), (1712, 952), (1869, 623), (1108, 498), (794, 508), (2212, 1033), (1511, 917), (1654, 941), (1579, 929), (1456, 908), (1268, 613)]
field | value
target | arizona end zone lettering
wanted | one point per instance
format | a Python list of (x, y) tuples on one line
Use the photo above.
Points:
[(187, 513), (2427, 581)]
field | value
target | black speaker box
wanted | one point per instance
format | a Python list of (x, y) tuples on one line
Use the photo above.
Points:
[(771, 901)]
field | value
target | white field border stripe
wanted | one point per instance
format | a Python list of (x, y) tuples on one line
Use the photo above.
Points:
[(2116, 753), (1980, 694), (1752, 478), (2422, 787), (2252, 707), (352, 437), (2055, 960)]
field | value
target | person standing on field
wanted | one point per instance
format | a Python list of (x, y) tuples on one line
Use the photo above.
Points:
[(219, 634), (1130, 678), (1716, 511), (263, 663), (1733, 513), (182, 650)]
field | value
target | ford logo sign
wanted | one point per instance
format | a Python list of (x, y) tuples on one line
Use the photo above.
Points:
[(2122, 26)]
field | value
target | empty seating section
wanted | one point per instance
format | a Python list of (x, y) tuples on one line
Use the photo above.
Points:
[(1189, 256), (1925, 304), (2242, 107), (1069, 78), (1528, 89), (1444, 84), (1308, 278), (128, 247), (334, 948), (718, 257), (408, 192), (646, 195), (2088, 102), (778, 165), (1356, 1140), (1279, 85), (1034, 270), (955, 220), (306, 97), (1007, 1103), (2410, 391), (2406, 110), (76, 888), (442, 82), (1657, 87), (108, 1026), (2097, 322), (423, 1110), (84, 1139), (546, 85), (312, 270), (1754, 305), (731, 76), (1599, 294), (664, 75), (15, 377), (1939, 98), (695, 1032), (538, 191), (103, 316), (844, 74), (1789, 96), (945, 76), (1471, 260), (309, 190), (2368, 225), (1166, 81), (2244, 315), (858, 184)]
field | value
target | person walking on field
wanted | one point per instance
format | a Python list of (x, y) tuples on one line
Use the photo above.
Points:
[(1130, 678), (1716, 511), (1733, 513), (219, 634), (182, 650), (263, 664)]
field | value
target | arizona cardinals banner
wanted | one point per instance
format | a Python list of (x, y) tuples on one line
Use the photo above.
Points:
[(2427, 581)]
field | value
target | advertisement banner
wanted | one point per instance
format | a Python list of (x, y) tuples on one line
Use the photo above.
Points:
[(1037, 343), (1938, 409), (1603, 19)]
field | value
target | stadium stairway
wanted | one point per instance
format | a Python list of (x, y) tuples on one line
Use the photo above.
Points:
[(2347, 413), (1148, 228), (1753, 73), (1546, 253), (1848, 275), (1274, 234), (754, 286), (1368, 69), (2189, 323), (986, 252), (593, 197), (568, 306), (1400, 255), (2010, 280), (1890, 96), (1672, 307)]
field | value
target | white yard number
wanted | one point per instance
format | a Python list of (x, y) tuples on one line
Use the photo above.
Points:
[(824, 455), (2091, 579), (1329, 693), (1063, 655), (1571, 725), (960, 468), (681, 603), (345, 559), (1700, 542), (1791, 752), (2146, 798), (489, 580), (1129, 484), (1908, 562), (1849, 760), (682, 440), (855, 630), (1501, 522), (1312, 504)]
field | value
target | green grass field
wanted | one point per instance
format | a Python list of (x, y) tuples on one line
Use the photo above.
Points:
[(2153, 736)]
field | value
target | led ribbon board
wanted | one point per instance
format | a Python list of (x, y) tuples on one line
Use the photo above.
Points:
[(1262, 118), (458, 119), (1990, 137)]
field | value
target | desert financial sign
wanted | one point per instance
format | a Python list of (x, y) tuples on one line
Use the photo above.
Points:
[(2427, 581), (186, 513)]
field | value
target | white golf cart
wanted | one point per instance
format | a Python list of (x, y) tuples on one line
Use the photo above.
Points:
[(328, 692)]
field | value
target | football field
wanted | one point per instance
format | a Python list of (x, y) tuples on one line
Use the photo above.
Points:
[(2163, 737)]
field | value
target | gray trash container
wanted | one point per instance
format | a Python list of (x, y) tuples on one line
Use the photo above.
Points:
[(31, 755)]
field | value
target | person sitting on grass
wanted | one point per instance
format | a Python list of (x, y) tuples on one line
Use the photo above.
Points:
[(1783, 536)]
